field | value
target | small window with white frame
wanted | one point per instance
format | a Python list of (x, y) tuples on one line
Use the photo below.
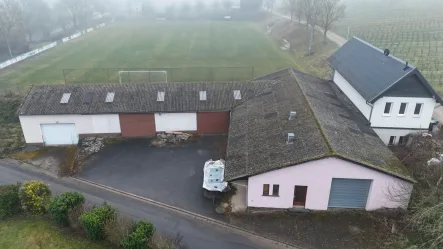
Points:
[(392, 140), (417, 109), (388, 108), (403, 108)]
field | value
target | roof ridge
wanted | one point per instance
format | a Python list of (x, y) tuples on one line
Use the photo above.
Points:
[(381, 51)]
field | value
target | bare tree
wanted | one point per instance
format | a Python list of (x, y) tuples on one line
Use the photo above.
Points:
[(330, 12), (291, 5), (311, 11), (10, 16), (76, 8), (269, 4), (299, 10), (36, 16), (100, 6)]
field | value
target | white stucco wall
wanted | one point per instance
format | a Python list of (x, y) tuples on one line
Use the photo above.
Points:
[(352, 94), (385, 134), (85, 124), (409, 120), (317, 176), (175, 122)]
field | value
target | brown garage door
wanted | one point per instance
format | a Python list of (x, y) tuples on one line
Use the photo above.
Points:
[(212, 122), (137, 125)]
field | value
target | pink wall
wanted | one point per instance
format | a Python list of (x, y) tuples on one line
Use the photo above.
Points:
[(317, 175)]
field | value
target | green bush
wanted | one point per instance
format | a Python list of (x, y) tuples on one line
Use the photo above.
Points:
[(118, 228), (94, 221), (35, 196), (62, 204), (9, 200), (140, 238)]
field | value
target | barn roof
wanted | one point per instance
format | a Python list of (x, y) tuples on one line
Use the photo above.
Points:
[(371, 73), (325, 126), (137, 98)]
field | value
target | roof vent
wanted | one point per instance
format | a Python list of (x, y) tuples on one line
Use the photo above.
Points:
[(88, 98), (203, 95), (291, 138), (387, 52), (237, 94), (65, 98), (406, 66), (110, 97), (292, 115), (161, 96)]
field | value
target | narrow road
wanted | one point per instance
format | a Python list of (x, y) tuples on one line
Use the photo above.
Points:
[(198, 234), (334, 37)]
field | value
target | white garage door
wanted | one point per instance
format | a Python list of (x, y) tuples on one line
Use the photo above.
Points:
[(175, 122), (59, 134)]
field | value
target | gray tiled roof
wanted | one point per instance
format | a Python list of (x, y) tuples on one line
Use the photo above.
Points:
[(137, 98), (325, 126), (367, 69)]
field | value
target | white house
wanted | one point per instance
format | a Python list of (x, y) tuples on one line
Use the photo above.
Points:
[(391, 94), (298, 144)]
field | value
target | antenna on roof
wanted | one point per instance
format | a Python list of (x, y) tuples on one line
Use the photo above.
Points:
[(406, 66), (387, 52)]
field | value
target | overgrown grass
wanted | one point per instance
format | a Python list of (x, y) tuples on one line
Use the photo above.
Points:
[(26, 232), (11, 135)]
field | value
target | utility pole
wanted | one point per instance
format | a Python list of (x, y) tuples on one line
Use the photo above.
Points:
[(349, 32)]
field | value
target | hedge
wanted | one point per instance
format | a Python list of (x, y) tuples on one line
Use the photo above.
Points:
[(35, 196), (94, 221), (140, 238), (9, 200), (62, 204)]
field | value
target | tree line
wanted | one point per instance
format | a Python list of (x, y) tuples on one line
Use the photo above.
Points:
[(20, 20), (320, 13)]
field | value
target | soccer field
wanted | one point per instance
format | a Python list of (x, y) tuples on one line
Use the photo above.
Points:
[(192, 44)]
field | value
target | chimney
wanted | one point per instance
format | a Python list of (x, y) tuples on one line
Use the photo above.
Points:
[(292, 115), (291, 138), (406, 67)]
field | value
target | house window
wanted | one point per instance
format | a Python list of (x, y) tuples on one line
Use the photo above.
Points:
[(388, 108), (392, 140), (275, 189), (401, 140), (417, 109), (265, 189), (403, 107)]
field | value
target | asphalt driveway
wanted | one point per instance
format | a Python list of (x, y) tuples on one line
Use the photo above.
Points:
[(172, 175)]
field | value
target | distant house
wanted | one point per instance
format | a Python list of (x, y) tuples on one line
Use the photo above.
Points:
[(292, 140), (393, 95)]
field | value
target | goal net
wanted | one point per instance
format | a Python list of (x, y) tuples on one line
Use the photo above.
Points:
[(142, 76)]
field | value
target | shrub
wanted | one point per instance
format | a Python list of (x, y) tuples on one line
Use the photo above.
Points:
[(61, 205), (140, 238), (118, 228), (94, 221), (168, 242), (35, 196), (9, 200)]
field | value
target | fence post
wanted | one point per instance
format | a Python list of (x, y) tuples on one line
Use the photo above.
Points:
[(253, 69), (64, 76), (107, 73)]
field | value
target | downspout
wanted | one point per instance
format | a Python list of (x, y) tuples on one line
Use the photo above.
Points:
[(370, 115)]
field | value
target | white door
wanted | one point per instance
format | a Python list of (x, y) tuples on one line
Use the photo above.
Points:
[(59, 134), (175, 122)]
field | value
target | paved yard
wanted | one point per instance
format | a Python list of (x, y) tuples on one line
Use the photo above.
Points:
[(172, 175)]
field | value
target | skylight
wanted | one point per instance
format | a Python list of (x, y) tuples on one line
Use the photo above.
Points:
[(237, 94), (161, 96), (88, 98), (65, 98), (203, 95), (110, 97)]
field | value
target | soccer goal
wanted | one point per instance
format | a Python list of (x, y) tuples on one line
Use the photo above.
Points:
[(142, 76)]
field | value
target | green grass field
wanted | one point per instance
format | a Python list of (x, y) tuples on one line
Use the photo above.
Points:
[(197, 46), (22, 232)]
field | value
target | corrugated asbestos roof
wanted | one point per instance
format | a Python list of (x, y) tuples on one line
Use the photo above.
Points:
[(325, 126), (137, 98)]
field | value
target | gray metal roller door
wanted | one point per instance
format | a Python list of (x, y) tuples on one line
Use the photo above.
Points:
[(349, 193)]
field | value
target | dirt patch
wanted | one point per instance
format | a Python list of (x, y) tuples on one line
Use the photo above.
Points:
[(56, 160), (171, 139), (341, 230)]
